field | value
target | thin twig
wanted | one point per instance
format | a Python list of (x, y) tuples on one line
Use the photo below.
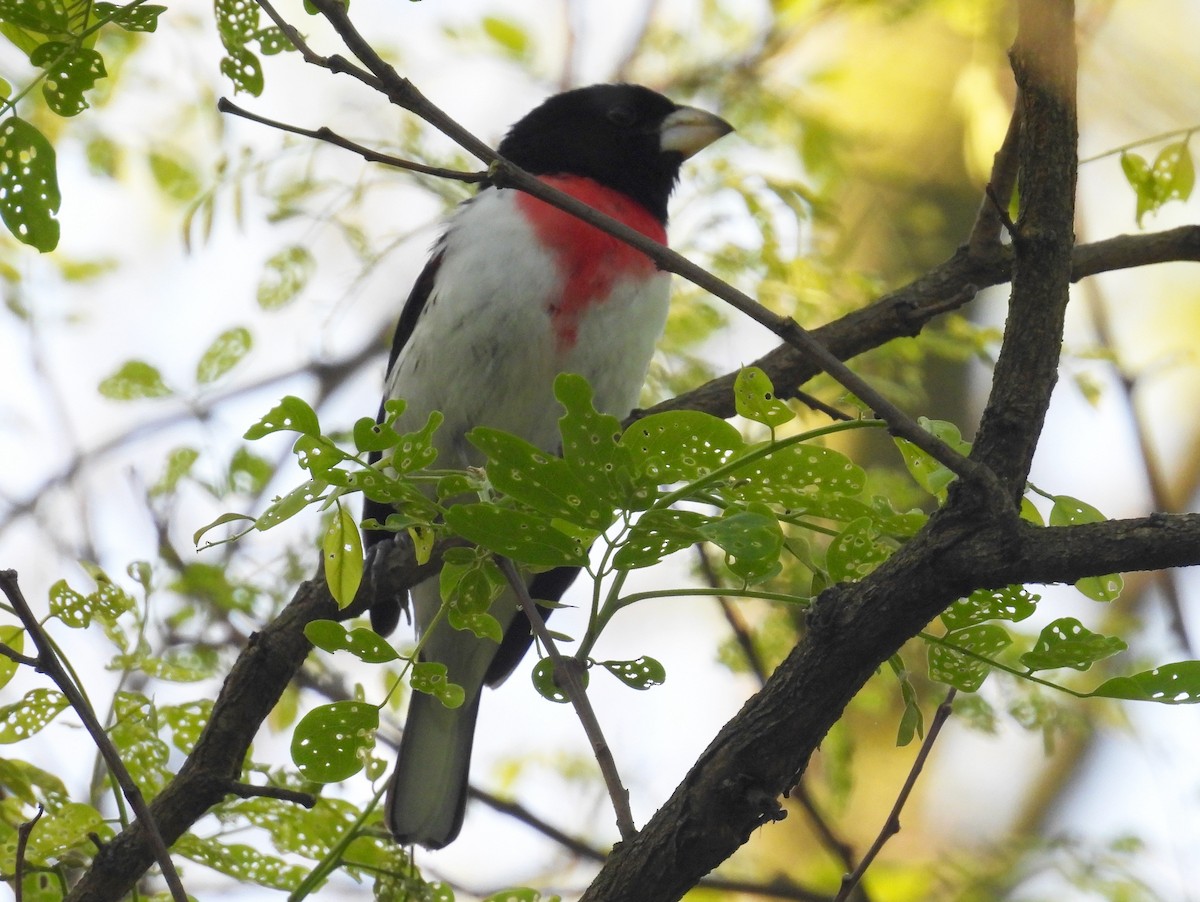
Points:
[(892, 825), (225, 105), (250, 791), (16, 657), (49, 664), (565, 669), (993, 208)]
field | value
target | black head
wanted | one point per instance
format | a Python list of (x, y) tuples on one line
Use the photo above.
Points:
[(624, 136)]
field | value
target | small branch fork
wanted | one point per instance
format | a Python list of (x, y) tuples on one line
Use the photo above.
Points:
[(566, 673), (47, 662)]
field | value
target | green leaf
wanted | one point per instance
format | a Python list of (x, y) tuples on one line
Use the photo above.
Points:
[(237, 21), (67, 831), (657, 534), (754, 398), (330, 742), (14, 638), (469, 588), (142, 18), (290, 504), (343, 556), (366, 645), (415, 450), (800, 477), (1012, 603), (246, 864), (29, 195), (135, 380), (174, 177), (179, 464), (70, 71), (518, 894), (106, 604), (223, 354), (912, 721), (284, 276), (1171, 684), (641, 673), (272, 41), (930, 475), (545, 684), (22, 719), (229, 517), (372, 436), (243, 69), (508, 35), (751, 540), (289, 415), (320, 456), (186, 722), (42, 16), (680, 446), (1171, 177), (591, 445), (1068, 643), (856, 551), (965, 672), (546, 483), (1068, 511), (249, 473), (430, 677), (523, 537)]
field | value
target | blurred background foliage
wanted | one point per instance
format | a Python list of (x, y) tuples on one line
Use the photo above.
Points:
[(208, 266)]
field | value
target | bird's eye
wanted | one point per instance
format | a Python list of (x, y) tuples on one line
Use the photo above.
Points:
[(622, 116)]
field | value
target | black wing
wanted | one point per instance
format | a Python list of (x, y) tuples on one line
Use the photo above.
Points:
[(386, 607)]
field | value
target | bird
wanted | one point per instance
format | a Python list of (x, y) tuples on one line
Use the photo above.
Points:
[(516, 292)]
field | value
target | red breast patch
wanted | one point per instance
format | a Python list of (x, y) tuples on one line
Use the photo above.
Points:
[(590, 260)]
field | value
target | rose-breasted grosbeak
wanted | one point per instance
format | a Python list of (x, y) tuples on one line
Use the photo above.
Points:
[(515, 293)]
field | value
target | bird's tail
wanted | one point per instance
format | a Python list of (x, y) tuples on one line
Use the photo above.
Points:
[(428, 793)]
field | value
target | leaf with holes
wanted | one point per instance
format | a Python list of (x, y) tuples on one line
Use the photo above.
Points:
[(547, 686), (415, 450), (525, 538), (290, 504), (856, 551), (542, 481), (42, 16), (330, 742), (966, 672), (754, 397), (751, 540), (430, 677), (680, 446), (77, 611), (366, 645), (143, 18), (243, 69), (930, 475), (1068, 511), (1012, 603), (469, 588), (641, 673), (1171, 684), (343, 550), (29, 195), (657, 534), (70, 71), (67, 830), (22, 719), (289, 415), (246, 864), (1068, 643), (370, 435), (591, 443), (799, 476), (14, 638)]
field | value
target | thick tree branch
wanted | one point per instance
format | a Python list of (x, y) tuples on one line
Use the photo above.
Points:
[(1043, 59)]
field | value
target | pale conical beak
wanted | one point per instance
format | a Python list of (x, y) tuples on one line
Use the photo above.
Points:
[(689, 130)]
